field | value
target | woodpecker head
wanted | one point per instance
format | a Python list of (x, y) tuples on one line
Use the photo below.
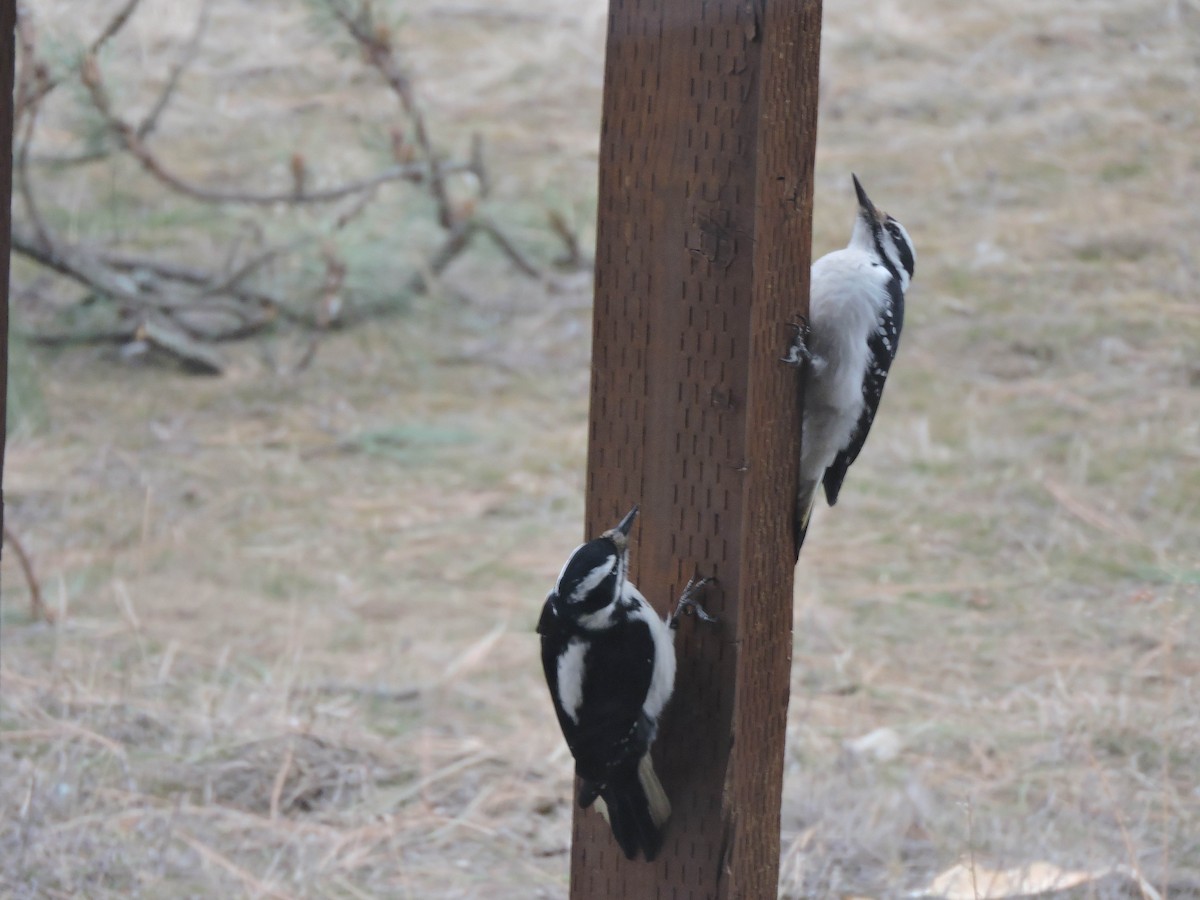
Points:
[(594, 574), (877, 233)]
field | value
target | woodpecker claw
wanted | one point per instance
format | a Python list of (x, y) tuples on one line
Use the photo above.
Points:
[(798, 352), (687, 602)]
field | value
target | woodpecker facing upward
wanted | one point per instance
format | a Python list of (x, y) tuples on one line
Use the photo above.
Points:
[(609, 662), (856, 311)]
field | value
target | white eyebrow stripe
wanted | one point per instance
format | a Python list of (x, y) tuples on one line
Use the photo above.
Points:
[(594, 578)]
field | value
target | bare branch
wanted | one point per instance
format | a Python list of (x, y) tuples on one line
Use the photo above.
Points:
[(478, 167), (375, 41), (144, 296), (356, 209), (78, 266), (37, 606), (168, 337), (202, 278), (229, 284), (128, 137), (148, 123), (457, 240), (191, 49), (118, 335), (507, 247), (31, 74), (174, 306), (573, 257), (47, 83), (115, 24), (329, 303), (21, 163)]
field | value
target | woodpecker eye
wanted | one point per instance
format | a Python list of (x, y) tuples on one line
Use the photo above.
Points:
[(589, 566), (903, 247), (592, 580)]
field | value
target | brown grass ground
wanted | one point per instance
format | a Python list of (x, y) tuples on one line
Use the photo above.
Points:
[(295, 656)]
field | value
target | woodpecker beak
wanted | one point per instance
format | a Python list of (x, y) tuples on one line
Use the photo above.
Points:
[(864, 202), (627, 523), (620, 534)]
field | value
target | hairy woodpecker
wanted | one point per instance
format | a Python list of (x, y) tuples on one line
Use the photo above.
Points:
[(610, 666), (856, 311)]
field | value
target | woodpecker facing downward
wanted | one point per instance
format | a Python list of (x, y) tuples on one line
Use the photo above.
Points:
[(856, 311), (610, 666)]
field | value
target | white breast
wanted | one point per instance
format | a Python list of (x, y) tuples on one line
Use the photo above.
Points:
[(662, 680), (849, 290)]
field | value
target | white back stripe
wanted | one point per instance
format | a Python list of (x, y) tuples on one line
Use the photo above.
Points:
[(570, 678)]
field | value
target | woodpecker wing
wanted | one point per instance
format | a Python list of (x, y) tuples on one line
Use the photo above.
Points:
[(608, 678), (882, 344), (611, 740), (612, 732)]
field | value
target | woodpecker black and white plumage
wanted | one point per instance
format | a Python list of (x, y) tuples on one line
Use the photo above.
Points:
[(856, 312), (609, 662)]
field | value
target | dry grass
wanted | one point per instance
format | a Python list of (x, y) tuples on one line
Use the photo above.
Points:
[(294, 657)]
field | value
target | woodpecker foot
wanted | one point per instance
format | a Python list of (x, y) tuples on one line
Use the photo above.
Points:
[(688, 603), (798, 353)]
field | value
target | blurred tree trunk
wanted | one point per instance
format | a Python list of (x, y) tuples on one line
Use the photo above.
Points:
[(8, 24)]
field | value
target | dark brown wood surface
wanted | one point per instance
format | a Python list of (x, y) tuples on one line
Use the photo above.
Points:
[(8, 24), (705, 206)]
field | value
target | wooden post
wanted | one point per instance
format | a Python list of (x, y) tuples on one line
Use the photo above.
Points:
[(702, 260), (8, 24)]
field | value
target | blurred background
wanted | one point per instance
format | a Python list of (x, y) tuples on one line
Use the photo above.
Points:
[(298, 430)]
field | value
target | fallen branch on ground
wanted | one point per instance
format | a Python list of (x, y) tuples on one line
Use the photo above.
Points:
[(179, 307)]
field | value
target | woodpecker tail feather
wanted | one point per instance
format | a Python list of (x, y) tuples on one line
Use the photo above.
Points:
[(804, 507), (656, 797), (635, 806)]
